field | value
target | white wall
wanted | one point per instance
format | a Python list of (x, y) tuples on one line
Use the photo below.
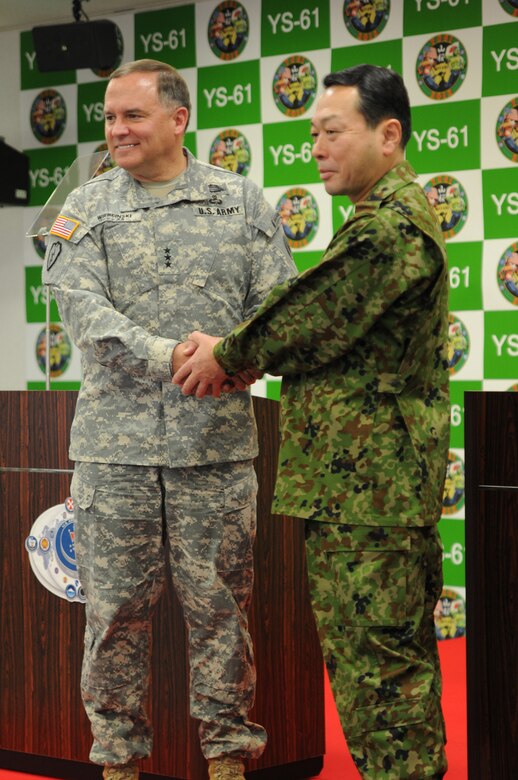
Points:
[(12, 274)]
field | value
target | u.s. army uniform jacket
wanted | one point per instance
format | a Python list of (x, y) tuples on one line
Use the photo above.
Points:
[(138, 274), (362, 342)]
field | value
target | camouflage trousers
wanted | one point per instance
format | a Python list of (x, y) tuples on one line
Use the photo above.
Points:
[(374, 591), (207, 514)]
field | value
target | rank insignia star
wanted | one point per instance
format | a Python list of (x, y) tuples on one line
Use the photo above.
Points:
[(167, 258)]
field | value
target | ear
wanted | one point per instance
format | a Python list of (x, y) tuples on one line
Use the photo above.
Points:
[(181, 118), (392, 135)]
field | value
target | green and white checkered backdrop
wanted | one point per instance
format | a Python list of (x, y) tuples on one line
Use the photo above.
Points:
[(254, 68)]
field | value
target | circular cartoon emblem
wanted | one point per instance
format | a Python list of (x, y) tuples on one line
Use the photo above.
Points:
[(507, 274), (450, 615), (507, 130), (294, 85), (448, 199), (60, 349), (453, 496), (441, 67), (299, 216), (104, 73), (510, 6), (231, 150), (48, 116), (106, 163), (228, 30), (51, 549), (458, 344), (39, 245), (366, 19), (513, 388)]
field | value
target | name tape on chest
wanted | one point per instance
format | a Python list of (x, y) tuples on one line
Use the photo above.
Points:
[(125, 216), (217, 211)]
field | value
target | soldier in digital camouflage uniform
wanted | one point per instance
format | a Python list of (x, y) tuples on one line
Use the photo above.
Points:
[(138, 257), (361, 340)]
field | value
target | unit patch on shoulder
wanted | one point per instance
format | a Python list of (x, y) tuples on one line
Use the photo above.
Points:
[(64, 227), (54, 252)]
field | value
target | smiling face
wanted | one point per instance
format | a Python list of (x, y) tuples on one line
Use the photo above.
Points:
[(351, 156), (144, 136)]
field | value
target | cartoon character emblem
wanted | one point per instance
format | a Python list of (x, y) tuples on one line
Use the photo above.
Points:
[(294, 85), (507, 130), (299, 216), (230, 150), (441, 67), (60, 350), (507, 274), (449, 201), (458, 344), (453, 496), (450, 615), (366, 19), (228, 30), (40, 245), (510, 6), (48, 116), (107, 163)]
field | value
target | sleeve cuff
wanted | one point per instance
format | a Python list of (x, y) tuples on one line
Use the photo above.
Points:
[(219, 354), (160, 356)]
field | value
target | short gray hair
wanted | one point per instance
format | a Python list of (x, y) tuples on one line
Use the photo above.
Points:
[(172, 88)]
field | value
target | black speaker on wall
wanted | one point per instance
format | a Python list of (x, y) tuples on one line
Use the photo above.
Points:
[(95, 44), (14, 176)]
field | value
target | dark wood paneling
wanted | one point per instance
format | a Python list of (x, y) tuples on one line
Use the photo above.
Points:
[(491, 454), (40, 709), (493, 438), (42, 440)]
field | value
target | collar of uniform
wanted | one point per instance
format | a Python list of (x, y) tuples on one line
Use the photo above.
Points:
[(201, 181), (193, 184), (398, 176)]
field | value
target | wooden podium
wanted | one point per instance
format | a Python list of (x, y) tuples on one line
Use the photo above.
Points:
[(43, 728), (491, 453)]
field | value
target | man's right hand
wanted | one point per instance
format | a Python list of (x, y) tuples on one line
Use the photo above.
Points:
[(181, 354), (196, 381)]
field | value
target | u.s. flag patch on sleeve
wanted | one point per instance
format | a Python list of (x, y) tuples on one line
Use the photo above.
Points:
[(64, 227)]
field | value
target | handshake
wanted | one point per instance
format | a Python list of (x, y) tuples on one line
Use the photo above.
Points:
[(197, 372)]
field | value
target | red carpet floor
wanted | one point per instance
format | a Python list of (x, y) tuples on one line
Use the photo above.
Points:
[(338, 764)]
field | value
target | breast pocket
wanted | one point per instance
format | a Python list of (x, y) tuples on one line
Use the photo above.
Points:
[(131, 257), (189, 251)]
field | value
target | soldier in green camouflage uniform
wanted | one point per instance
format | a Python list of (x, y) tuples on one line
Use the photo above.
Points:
[(139, 256), (361, 341)]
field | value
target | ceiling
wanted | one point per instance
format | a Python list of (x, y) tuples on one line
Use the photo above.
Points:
[(24, 14)]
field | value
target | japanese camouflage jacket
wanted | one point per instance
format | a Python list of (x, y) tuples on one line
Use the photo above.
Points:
[(361, 340), (133, 275)]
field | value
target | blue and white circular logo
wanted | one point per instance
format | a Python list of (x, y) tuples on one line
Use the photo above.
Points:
[(50, 546)]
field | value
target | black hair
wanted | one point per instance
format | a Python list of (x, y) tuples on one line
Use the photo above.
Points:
[(382, 95)]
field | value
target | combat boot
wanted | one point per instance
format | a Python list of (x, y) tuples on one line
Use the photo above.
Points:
[(226, 768), (123, 772)]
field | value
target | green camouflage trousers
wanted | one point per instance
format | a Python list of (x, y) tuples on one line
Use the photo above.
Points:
[(374, 591), (122, 514)]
